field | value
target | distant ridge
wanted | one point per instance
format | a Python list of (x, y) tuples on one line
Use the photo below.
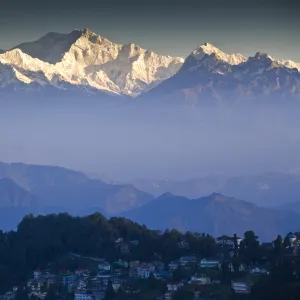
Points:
[(15, 202), (61, 189), (215, 214)]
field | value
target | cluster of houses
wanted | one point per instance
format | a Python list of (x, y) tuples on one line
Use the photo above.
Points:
[(90, 285)]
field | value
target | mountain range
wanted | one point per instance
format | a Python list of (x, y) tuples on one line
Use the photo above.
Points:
[(266, 189), (83, 63), (49, 189), (38, 189), (215, 214), (15, 202), (209, 75)]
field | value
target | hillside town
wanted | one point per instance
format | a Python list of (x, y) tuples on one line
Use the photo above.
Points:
[(188, 277)]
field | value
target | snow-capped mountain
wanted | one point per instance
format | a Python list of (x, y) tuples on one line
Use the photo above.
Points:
[(290, 64), (209, 75), (84, 60), (212, 58)]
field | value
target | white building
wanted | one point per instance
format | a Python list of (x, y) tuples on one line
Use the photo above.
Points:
[(200, 279), (82, 296), (241, 287)]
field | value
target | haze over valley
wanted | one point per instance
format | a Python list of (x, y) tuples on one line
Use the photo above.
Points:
[(213, 136), (149, 150)]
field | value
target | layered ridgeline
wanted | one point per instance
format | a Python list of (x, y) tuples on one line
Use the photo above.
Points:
[(265, 189), (15, 202), (48, 189), (82, 61), (216, 214), (209, 75), (85, 61)]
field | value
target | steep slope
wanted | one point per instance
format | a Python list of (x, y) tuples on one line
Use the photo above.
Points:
[(51, 47), (62, 189), (20, 72), (210, 57), (15, 202), (216, 214), (85, 59), (91, 195), (1, 51), (209, 76), (13, 195)]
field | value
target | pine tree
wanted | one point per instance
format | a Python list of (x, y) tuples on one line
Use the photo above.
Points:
[(110, 292), (278, 247)]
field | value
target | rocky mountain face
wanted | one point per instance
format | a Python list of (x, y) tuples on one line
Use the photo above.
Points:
[(209, 75), (85, 61), (215, 214)]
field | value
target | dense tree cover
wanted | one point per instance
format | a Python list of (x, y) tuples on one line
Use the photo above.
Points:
[(283, 280), (44, 239), (41, 240)]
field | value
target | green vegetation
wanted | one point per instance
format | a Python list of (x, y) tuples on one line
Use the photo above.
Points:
[(41, 240), (44, 241)]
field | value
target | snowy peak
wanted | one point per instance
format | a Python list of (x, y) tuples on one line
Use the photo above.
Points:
[(87, 33), (51, 47), (265, 59), (208, 57), (263, 56), (290, 64), (208, 49), (83, 58), (257, 65), (209, 75)]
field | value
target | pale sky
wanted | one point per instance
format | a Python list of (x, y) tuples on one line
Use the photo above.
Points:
[(167, 27)]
